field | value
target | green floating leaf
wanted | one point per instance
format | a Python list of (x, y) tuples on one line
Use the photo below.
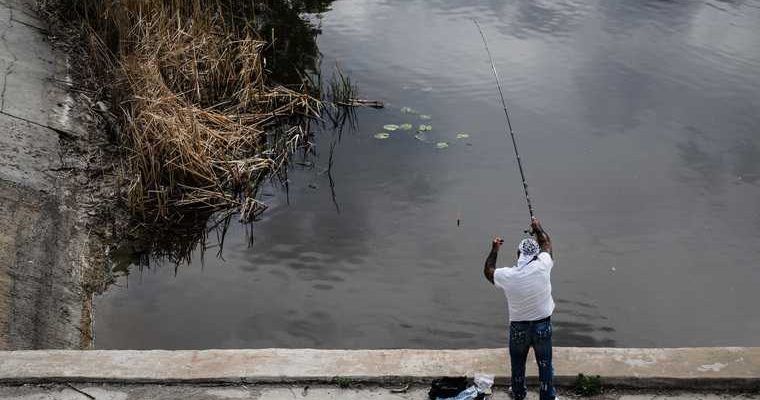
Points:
[(408, 110), (424, 128), (390, 127), (462, 135), (425, 116), (382, 135), (406, 127), (441, 145)]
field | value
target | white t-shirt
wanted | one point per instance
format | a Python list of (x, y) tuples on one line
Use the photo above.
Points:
[(528, 288)]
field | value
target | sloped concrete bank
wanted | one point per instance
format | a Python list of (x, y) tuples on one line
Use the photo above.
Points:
[(686, 368), (47, 190)]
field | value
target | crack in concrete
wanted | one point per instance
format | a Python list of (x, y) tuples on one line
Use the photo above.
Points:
[(43, 31), (62, 134), (9, 68)]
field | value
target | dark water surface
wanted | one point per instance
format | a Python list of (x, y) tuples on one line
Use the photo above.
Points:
[(638, 121)]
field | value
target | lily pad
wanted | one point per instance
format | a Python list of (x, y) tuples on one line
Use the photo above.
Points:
[(382, 135), (441, 145), (405, 127), (408, 110), (462, 135), (424, 128), (425, 116), (390, 127)]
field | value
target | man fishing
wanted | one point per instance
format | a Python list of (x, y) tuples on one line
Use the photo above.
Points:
[(528, 288)]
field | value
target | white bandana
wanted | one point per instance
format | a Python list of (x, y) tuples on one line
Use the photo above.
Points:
[(528, 251)]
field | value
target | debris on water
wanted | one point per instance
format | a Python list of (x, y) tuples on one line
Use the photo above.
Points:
[(424, 128), (408, 110), (421, 137), (406, 127), (390, 127), (441, 145), (382, 135), (313, 186), (362, 103), (462, 135), (425, 116), (613, 269)]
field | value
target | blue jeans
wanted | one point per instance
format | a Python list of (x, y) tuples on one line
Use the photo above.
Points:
[(523, 336)]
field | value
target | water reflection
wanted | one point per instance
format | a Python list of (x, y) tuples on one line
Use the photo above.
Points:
[(543, 19), (615, 95), (702, 157), (292, 34), (581, 325), (664, 17), (713, 164)]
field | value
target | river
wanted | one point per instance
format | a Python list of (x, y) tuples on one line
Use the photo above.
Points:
[(639, 126)]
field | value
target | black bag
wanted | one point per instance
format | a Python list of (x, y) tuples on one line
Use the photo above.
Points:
[(447, 387)]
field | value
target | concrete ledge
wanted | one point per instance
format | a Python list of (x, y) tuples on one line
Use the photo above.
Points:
[(710, 367)]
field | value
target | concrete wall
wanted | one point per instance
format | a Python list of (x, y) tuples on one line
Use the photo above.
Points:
[(42, 240), (40, 305)]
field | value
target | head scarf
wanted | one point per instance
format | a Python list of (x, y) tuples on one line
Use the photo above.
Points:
[(528, 250)]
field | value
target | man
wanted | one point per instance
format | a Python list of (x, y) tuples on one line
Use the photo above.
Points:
[(528, 288)]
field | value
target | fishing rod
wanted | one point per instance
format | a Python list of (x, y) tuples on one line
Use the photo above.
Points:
[(508, 128)]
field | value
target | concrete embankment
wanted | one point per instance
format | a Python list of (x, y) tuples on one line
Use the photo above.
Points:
[(43, 235), (686, 368), (312, 392)]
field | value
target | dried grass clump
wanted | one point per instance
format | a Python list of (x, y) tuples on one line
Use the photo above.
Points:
[(200, 124)]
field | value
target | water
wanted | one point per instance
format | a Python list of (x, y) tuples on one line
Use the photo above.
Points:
[(639, 125)]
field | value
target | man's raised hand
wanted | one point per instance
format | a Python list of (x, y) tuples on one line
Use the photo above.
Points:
[(497, 242), (541, 237)]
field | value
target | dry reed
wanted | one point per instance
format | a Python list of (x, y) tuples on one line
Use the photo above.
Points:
[(201, 125)]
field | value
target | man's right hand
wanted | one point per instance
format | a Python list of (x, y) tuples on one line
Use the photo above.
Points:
[(497, 242), (541, 237)]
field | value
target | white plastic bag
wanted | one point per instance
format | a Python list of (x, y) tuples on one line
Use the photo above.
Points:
[(468, 394), (484, 383)]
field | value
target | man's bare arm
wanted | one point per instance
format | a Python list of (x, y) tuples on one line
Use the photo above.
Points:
[(541, 236), (490, 267)]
